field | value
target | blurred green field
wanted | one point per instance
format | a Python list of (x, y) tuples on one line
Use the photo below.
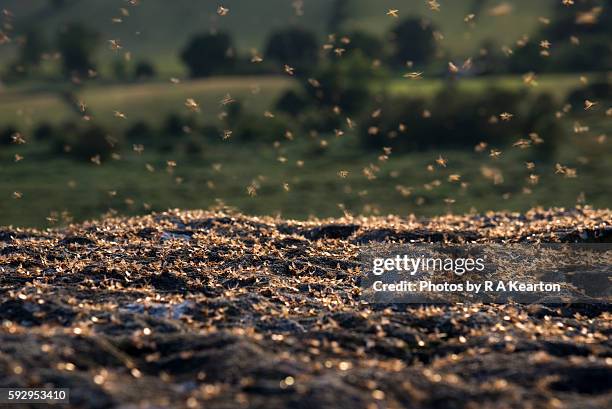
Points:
[(558, 85), (45, 187), (27, 105), (51, 185), (224, 172)]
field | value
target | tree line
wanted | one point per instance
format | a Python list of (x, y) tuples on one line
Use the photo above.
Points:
[(409, 44)]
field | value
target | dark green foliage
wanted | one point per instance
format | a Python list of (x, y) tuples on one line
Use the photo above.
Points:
[(292, 102), (58, 4), (528, 58), (320, 120), (593, 53), (140, 133), (193, 145), (77, 45), (368, 44), (537, 114), (144, 69), (234, 113), (208, 54), (460, 120), (175, 125), (66, 129), (490, 59), (83, 142), (295, 47), (413, 40), (338, 15), (125, 71), (568, 21), (597, 91), (91, 141), (175, 129), (44, 132), (210, 133), (30, 53), (6, 135), (259, 129), (120, 69), (343, 84)]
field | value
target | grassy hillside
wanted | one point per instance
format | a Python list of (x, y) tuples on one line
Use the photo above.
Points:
[(47, 180), (157, 29), (27, 105), (226, 169)]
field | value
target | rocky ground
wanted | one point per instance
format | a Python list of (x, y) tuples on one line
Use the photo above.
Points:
[(221, 310)]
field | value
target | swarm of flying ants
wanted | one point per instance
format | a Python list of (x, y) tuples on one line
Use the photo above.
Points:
[(337, 46)]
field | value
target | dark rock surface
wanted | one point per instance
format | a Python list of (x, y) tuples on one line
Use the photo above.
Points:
[(215, 310)]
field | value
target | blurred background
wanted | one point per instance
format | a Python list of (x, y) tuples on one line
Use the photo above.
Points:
[(302, 108)]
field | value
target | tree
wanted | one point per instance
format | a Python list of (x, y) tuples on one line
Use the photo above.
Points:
[(338, 14), (144, 69), (6, 135), (590, 21), (92, 141), (344, 84), (30, 54), (120, 69), (461, 120), (77, 45), (368, 44), (208, 54), (140, 132), (490, 59), (584, 18), (292, 102), (528, 58), (295, 47), (44, 132), (413, 40), (83, 142), (58, 4)]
